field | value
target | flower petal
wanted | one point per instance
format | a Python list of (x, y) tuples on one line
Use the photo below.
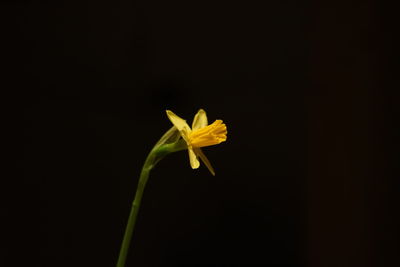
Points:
[(200, 120), (194, 162), (180, 124), (203, 157)]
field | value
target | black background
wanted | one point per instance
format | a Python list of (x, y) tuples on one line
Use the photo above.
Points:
[(307, 177)]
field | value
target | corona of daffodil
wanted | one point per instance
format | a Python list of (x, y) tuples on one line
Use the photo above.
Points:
[(200, 135)]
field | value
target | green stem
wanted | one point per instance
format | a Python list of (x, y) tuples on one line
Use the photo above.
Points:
[(144, 175), (154, 156)]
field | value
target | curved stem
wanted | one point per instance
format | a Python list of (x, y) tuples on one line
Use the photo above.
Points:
[(144, 175), (155, 155)]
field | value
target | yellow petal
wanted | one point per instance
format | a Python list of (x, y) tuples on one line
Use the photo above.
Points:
[(194, 162), (204, 159), (180, 124), (200, 120)]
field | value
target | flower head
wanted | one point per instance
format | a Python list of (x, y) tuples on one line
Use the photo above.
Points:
[(200, 135)]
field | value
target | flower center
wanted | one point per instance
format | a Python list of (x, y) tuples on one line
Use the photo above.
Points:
[(212, 134)]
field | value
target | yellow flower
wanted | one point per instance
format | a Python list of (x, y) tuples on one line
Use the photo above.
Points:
[(200, 135)]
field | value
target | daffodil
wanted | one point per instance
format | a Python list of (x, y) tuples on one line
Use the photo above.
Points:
[(200, 135), (178, 137)]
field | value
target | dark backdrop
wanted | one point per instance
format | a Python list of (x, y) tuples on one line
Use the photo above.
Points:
[(307, 176)]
